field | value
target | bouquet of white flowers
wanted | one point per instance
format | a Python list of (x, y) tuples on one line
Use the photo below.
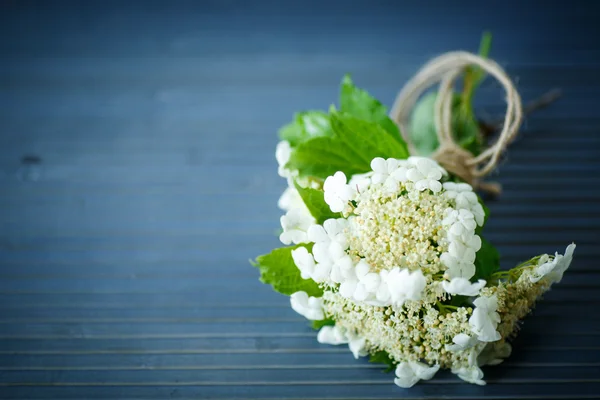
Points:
[(384, 239)]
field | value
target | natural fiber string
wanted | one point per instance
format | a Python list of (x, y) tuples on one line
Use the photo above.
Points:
[(445, 69)]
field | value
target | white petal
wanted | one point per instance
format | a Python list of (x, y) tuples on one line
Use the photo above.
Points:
[(316, 234), (321, 252), (378, 164), (309, 307), (405, 376), (400, 174), (348, 288), (471, 375), (357, 347), (371, 282), (414, 175), (331, 335), (435, 186), (424, 371), (322, 271), (360, 293), (462, 286), (362, 269), (422, 185)]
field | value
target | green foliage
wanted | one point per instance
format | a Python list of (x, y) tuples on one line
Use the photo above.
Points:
[(324, 322), (383, 357), (360, 104), (315, 202), (367, 139), (487, 261), (345, 140), (278, 270), (324, 156), (306, 125)]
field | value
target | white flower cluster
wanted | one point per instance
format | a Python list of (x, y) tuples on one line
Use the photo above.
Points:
[(397, 219), (404, 244)]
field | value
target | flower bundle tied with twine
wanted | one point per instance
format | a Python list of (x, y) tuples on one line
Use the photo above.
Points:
[(384, 249)]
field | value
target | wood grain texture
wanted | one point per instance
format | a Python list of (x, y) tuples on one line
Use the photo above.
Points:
[(137, 177)]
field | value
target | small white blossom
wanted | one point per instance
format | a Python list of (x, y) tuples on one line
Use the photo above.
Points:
[(295, 224), (290, 199), (462, 222), (425, 173), (461, 193), (408, 373), (405, 285), (360, 182), (283, 151), (337, 192), (463, 287), (304, 261), (462, 341), (388, 172), (308, 306), (555, 268), (478, 213), (357, 346), (472, 374), (342, 268), (335, 336), (460, 258), (330, 240), (331, 335), (485, 319)]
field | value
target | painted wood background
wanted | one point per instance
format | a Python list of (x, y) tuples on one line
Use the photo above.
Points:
[(137, 178)]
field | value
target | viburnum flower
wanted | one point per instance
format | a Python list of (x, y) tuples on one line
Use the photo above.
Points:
[(463, 287), (472, 374), (308, 306), (283, 152), (329, 238), (426, 174), (485, 319), (405, 285), (410, 372), (337, 192), (335, 336), (304, 261), (555, 268), (460, 260), (388, 172), (462, 341), (295, 224), (290, 199)]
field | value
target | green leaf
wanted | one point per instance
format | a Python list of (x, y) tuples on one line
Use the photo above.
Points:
[(324, 322), (368, 139), (324, 156), (314, 200), (382, 357), (487, 261), (306, 125), (423, 132), (422, 126), (360, 104), (278, 270)]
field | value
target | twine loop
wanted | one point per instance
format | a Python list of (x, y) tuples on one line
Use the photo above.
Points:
[(445, 70)]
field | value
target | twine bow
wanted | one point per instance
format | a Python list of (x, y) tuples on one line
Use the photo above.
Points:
[(445, 69)]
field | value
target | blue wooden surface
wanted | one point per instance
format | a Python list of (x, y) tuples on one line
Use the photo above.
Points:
[(137, 177)]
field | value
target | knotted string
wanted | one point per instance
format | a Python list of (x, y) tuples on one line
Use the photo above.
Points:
[(445, 69)]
